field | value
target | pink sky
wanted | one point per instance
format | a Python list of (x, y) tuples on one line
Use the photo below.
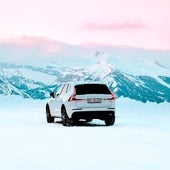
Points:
[(139, 23)]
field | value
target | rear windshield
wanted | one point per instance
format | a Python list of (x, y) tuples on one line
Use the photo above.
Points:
[(92, 89)]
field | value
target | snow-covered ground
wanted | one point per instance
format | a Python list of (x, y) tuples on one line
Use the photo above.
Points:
[(139, 140)]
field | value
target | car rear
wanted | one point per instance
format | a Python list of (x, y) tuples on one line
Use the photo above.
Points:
[(93, 101)]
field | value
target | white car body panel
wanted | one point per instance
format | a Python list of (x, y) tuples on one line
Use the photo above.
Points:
[(81, 103)]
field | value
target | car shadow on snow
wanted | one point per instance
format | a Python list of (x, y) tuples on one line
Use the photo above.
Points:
[(89, 124), (84, 123)]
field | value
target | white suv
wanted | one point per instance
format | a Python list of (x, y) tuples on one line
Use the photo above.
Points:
[(77, 101)]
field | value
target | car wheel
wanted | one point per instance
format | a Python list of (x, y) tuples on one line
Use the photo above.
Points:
[(50, 119), (110, 120), (64, 117)]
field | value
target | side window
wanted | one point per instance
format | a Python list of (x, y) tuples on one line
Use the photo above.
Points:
[(63, 91), (58, 92)]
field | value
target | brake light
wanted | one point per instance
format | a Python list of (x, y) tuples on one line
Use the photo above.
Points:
[(73, 97), (112, 98)]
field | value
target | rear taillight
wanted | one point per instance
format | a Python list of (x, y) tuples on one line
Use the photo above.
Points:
[(113, 97), (73, 97)]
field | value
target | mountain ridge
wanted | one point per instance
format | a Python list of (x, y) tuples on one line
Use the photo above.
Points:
[(140, 88), (32, 67)]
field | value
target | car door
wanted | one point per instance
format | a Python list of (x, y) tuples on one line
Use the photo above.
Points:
[(56, 102)]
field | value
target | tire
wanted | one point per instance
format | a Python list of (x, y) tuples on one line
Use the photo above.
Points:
[(64, 117), (50, 119), (110, 120)]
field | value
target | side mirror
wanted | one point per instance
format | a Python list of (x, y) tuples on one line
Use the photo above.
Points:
[(52, 94)]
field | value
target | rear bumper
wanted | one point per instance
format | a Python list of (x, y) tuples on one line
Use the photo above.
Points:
[(92, 114)]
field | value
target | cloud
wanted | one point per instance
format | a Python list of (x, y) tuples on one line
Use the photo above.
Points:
[(92, 26)]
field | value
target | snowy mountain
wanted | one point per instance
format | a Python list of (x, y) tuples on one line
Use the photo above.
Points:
[(144, 78), (36, 82)]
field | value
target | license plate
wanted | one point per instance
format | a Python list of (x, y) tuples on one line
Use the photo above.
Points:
[(94, 100)]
